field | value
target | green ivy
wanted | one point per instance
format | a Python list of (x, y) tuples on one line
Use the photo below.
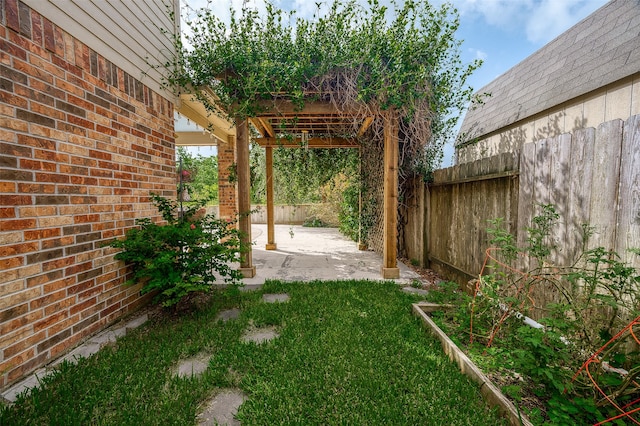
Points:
[(369, 58)]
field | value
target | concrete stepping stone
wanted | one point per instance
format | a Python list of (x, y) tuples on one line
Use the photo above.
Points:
[(193, 366), (414, 290), (228, 314), (260, 335), (275, 297), (222, 409)]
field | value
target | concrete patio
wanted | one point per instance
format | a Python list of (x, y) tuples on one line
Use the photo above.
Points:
[(306, 254)]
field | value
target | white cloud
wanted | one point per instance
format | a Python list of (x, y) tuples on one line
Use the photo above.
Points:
[(550, 18), (539, 20), (508, 14), (478, 54)]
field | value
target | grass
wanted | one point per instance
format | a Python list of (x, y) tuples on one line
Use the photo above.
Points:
[(349, 352)]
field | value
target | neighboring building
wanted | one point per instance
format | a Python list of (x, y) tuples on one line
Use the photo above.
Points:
[(587, 76), (86, 133)]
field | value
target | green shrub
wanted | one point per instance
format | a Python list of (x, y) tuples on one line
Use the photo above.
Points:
[(189, 253)]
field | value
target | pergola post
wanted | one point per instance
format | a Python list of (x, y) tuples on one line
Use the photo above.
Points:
[(244, 197), (389, 253), (271, 239), (361, 244)]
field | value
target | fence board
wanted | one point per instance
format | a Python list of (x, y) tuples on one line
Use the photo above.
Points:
[(477, 228), (629, 198), (525, 194), (604, 183), (592, 176), (541, 170), (580, 177), (559, 192)]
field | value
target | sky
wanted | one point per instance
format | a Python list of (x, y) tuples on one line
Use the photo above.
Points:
[(500, 32)]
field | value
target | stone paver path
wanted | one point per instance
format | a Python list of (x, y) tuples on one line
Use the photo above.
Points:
[(260, 335), (414, 290), (85, 350)]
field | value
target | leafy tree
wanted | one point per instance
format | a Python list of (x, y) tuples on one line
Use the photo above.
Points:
[(203, 184)]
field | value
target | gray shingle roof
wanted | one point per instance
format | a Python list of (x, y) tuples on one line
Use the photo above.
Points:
[(601, 49)]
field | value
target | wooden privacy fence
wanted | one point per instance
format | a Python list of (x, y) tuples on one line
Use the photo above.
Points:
[(591, 176)]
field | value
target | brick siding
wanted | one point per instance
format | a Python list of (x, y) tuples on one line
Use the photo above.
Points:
[(82, 144)]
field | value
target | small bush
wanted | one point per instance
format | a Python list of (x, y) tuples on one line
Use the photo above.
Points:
[(187, 254)]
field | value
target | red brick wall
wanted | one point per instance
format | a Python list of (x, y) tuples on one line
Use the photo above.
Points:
[(82, 144)]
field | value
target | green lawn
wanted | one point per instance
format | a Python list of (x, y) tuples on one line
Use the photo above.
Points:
[(349, 352)]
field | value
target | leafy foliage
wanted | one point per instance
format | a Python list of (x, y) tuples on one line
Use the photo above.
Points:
[(579, 306), (204, 171), (349, 214), (187, 254), (401, 61), (300, 174)]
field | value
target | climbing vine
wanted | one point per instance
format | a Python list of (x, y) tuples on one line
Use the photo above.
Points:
[(368, 60)]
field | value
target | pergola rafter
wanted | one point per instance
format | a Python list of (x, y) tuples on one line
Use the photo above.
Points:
[(318, 124)]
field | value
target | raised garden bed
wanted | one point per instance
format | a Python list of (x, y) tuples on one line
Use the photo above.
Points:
[(490, 392)]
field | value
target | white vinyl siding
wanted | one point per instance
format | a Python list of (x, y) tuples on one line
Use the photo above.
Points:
[(135, 35)]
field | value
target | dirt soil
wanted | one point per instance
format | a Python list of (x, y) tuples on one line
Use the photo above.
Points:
[(430, 278)]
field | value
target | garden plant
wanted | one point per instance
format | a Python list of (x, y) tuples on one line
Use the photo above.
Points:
[(532, 323), (188, 253), (400, 61)]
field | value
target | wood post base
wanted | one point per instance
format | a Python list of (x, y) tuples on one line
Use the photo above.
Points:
[(248, 272), (273, 246), (390, 273)]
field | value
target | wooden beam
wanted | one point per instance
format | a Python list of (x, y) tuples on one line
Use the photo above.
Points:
[(271, 239), (259, 127), (196, 112), (244, 196), (280, 107), (263, 126), (310, 143), (196, 139), (368, 121), (389, 252), (267, 126)]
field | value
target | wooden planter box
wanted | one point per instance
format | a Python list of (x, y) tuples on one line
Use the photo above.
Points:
[(489, 391)]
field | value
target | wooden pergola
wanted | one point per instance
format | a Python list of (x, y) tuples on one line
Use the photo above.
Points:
[(317, 125)]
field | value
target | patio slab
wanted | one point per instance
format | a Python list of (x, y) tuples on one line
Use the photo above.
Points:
[(307, 254)]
